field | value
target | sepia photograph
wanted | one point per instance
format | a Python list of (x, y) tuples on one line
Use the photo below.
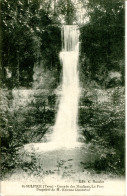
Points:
[(62, 97)]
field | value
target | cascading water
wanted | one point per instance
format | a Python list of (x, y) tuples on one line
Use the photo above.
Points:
[(65, 129)]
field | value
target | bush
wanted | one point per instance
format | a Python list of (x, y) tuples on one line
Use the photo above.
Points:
[(104, 127)]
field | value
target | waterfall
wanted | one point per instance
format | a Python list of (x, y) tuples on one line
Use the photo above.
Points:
[(65, 128)]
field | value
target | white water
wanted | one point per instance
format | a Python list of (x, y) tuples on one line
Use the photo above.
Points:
[(65, 129)]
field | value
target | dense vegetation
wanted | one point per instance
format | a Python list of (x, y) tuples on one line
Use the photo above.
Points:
[(31, 74), (102, 60), (102, 42)]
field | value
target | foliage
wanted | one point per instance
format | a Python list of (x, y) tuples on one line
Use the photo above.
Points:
[(104, 127), (22, 122), (102, 60), (24, 26), (50, 48), (102, 40), (67, 9)]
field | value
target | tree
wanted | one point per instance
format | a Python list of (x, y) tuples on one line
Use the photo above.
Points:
[(102, 39), (23, 25)]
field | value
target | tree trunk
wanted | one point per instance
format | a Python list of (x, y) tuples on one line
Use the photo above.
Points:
[(69, 15)]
